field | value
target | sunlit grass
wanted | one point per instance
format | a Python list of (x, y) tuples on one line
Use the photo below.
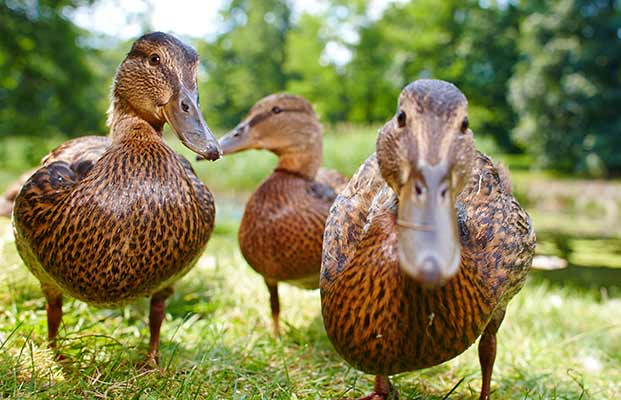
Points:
[(555, 343)]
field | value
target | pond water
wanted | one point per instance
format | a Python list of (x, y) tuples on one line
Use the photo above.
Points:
[(593, 262)]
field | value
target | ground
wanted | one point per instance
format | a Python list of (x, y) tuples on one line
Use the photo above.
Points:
[(561, 338)]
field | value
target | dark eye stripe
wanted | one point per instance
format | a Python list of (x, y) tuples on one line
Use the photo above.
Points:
[(265, 115)]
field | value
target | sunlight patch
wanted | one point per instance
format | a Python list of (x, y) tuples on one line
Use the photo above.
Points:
[(39, 366), (591, 363), (207, 262), (555, 301)]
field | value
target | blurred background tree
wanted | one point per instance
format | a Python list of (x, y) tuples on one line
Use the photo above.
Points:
[(567, 86), (46, 83), (310, 73), (542, 78), (246, 61)]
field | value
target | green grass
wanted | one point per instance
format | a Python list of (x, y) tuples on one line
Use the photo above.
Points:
[(555, 343)]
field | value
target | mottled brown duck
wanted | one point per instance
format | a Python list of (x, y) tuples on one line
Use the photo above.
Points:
[(109, 220), (425, 246), (282, 226)]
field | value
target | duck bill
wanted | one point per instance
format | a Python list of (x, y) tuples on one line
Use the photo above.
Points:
[(186, 119), (429, 248), (239, 139)]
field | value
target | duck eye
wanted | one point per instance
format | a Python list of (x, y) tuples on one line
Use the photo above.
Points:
[(154, 59), (418, 187), (401, 117), (464, 125), (276, 110)]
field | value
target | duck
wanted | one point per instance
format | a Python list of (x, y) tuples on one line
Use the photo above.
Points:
[(425, 246), (281, 230), (111, 220)]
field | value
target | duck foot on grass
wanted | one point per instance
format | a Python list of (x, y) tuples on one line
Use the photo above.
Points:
[(383, 390), (157, 313)]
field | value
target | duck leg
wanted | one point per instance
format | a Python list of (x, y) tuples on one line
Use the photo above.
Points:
[(382, 390), (487, 352), (156, 316), (54, 310), (272, 286)]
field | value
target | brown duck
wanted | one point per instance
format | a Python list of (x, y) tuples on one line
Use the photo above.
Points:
[(425, 247), (282, 227), (109, 220)]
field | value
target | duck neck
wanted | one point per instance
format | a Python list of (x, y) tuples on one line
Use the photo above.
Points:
[(123, 120), (305, 158)]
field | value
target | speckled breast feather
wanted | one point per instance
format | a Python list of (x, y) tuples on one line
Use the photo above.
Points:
[(108, 222), (282, 228), (383, 322)]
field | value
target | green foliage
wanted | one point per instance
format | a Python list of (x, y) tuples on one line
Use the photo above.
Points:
[(310, 74), (488, 50), (45, 81), (372, 94), (462, 42), (567, 87), (246, 62), (561, 58)]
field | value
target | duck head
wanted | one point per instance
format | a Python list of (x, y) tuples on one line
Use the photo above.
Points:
[(280, 123), (426, 154), (157, 83)]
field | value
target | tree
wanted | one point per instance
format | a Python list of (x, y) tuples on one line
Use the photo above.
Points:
[(44, 77), (567, 87), (488, 51), (372, 89), (463, 42), (246, 62), (312, 75)]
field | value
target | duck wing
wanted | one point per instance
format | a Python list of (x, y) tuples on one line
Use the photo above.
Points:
[(332, 178), (75, 152), (64, 166), (349, 217), (80, 154), (496, 232), (51, 183), (61, 169)]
